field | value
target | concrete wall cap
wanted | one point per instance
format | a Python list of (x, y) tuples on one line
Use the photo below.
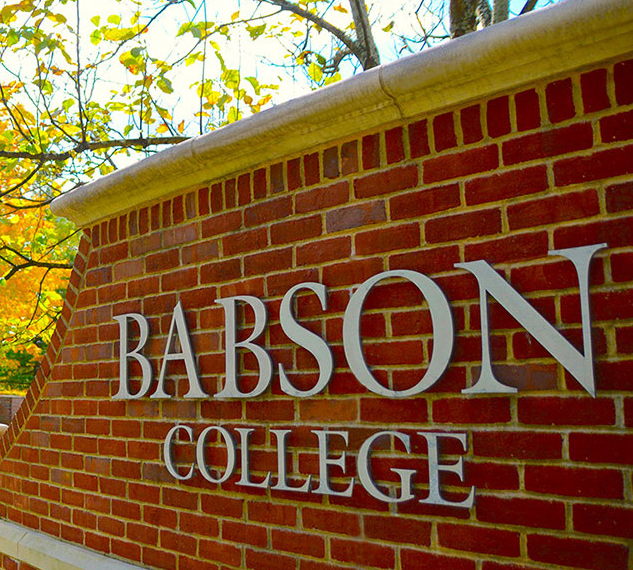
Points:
[(565, 36), (48, 553)]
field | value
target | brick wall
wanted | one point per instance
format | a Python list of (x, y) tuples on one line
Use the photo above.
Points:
[(505, 179), (9, 405)]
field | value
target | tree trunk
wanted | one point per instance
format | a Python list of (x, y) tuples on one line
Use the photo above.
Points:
[(365, 39), (500, 11), (463, 17)]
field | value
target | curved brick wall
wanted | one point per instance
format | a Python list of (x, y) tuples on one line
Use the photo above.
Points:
[(504, 179)]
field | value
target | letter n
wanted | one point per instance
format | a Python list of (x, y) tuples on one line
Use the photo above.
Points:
[(580, 366)]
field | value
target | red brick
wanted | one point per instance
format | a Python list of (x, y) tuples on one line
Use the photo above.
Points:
[(498, 116), (277, 177), (559, 97), (617, 127), (330, 163), (394, 145), (601, 448), (167, 259), (322, 197), (599, 165), (365, 554), (244, 189), (507, 249), (355, 216), (459, 164), (221, 506), (323, 251), (518, 444), (295, 230), (577, 553), (178, 280), (222, 223), (424, 202), (220, 552), (416, 560), (528, 113), (554, 209), (351, 272), (386, 182), (479, 539), (245, 241), (272, 513), (470, 119), (264, 560), (393, 529), (562, 140), (266, 261), (603, 519), (507, 185), (619, 197), (293, 173), (418, 139), (244, 534), (370, 149), (623, 76), (471, 410), (349, 157), (593, 85), (259, 184), (392, 411), (333, 410), (328, 521), (521, 512), (268, 211), (614, 232), (311, 169), (566, 411), (461, 226), (444, 132), (406, 236), (298, 542)]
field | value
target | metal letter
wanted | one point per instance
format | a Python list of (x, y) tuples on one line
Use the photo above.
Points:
[(325, 461), (490, 282), (442, 330), (124, 355), (305, 339), (435, 497), (231, 389), (230, 451), (245, 481), (364, 469), (179, 324), (282, 478), (168, 452)]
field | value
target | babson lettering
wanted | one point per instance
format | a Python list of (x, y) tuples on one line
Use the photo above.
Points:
[(491, 284)]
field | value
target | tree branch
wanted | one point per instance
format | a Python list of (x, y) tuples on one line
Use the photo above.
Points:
[(529, 6), (342, 36), (141, 142)]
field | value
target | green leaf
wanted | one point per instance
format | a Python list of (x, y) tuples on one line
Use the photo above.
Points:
[(315, 72)]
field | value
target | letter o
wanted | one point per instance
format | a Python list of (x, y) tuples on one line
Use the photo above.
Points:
[(441, 319), (230, 449)]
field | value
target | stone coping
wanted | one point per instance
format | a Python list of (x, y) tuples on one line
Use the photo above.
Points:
[(48, 553), (560, 38)]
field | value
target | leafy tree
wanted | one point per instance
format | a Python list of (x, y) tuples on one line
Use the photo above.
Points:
[(86, 87)]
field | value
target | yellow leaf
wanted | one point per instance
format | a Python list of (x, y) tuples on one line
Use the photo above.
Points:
[(181, 127), (340, 8), (163, 128)]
